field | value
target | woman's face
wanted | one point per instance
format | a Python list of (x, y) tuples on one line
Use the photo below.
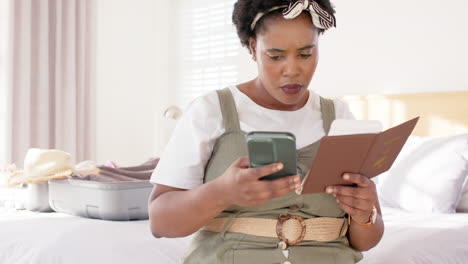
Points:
[(287, 55)]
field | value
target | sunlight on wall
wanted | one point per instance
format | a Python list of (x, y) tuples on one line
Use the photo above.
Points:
[(379, 108), (441, 114)]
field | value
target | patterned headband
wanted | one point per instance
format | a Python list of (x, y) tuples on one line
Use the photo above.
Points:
[(321, 18)]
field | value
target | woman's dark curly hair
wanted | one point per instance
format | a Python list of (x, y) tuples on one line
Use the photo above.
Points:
[(246, 10)]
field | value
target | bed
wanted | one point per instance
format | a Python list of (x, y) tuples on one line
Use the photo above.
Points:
[(420, 238), (425, 206), (44, 238), (425, 218)]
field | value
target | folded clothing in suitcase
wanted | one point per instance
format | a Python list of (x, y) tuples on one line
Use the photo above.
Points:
[(111, 194)]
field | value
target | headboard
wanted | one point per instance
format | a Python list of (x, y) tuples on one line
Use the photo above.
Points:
[(441, 113)]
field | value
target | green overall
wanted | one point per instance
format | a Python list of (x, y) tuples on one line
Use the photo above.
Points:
[(226, 247)]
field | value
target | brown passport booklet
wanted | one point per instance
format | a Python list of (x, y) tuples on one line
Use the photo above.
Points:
[(367, 154)]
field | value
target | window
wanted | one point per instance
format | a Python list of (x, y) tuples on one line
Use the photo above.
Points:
[(208, 52)]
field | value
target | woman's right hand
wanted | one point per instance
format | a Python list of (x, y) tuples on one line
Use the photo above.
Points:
[(240, 185)]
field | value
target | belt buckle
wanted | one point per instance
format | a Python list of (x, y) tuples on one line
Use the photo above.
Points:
[(284, 242)]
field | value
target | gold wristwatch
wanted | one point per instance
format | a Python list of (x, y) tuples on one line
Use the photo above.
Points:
[(372, 218)]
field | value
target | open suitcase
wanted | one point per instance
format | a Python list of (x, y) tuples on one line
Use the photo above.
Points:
[(102, 200)]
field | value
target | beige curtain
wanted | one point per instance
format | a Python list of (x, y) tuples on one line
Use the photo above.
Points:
[(53, 73)]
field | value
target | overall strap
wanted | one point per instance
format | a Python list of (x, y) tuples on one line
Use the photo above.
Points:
[(328, 113), (228, 110)]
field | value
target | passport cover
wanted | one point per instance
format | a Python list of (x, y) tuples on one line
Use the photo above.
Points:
[(367, 154)]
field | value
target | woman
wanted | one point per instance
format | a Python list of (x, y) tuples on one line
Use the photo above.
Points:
[(203, 181)]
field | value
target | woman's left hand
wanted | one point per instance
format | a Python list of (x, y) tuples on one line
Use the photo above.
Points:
[(357, 201)]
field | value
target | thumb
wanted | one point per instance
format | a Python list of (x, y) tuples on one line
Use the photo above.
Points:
[(259, 172)]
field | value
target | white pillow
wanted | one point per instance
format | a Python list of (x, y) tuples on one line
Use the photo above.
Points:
[(427, 176), (462, 206)]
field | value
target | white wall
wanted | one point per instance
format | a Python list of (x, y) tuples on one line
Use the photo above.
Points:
[(132, 57), (379, 47), (386, 47), (395, 47)]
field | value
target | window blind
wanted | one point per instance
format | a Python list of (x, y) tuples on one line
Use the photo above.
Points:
[(205, 46)]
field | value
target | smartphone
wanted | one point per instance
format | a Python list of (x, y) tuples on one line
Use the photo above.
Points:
[(270, 147)]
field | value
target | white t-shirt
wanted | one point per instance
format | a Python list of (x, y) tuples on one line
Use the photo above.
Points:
[(183, 161)]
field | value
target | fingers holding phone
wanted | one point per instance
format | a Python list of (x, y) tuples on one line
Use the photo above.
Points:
[(242, 185)]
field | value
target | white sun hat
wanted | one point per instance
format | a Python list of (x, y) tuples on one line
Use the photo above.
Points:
[(46, 164)]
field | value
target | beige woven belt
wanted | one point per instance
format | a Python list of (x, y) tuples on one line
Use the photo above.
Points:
[(290, 229)]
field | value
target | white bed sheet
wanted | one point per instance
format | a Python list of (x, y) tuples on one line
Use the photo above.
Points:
[(54, 238), (41, 238), (421, 238)]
